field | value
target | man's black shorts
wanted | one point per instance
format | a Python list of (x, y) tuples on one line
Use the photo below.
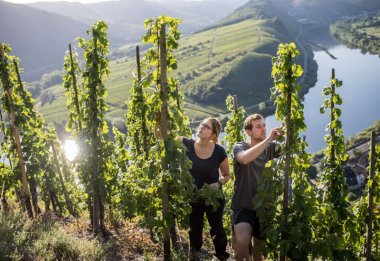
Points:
[(248, 216)]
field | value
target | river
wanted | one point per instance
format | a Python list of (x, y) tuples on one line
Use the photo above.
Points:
[(360, 93)]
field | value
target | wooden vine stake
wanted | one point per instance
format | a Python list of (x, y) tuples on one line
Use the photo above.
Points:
[(288, 136), (370, 197), (75, 88), (164, 136), (332, 116), (95, 147)]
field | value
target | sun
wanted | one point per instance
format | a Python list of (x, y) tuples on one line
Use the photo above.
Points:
[(71, 149)]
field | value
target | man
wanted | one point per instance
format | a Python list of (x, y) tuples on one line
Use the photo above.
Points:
[(249, 162)]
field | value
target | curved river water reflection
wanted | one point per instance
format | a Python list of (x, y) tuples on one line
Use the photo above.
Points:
[(360, 92)]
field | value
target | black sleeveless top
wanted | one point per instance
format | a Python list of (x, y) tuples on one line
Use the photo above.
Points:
[(204, 170)]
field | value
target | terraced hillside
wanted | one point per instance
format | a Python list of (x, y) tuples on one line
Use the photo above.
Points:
[(232, 59)]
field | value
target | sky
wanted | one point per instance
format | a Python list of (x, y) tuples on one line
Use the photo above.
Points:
[(81, 1), (33, 1)]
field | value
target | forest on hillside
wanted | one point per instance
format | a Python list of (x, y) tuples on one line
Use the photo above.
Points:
[(363, 33)]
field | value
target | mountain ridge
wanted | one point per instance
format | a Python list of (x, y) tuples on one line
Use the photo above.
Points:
[(36, 42), (40, 37)]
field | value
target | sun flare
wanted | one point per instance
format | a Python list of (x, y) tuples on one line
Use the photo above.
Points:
[(71, 149)]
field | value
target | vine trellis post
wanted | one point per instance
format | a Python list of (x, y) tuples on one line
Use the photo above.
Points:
[(75, 87), (32, 179), (164, 136), (287, 154), (370, 196)]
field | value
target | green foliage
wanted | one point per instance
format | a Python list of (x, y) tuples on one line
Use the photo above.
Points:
[(101, 169), (123, 184), (234, 133), (140, 135), (363, 136), (16, 236), (335, 153), (52, 78), (334, 220), (63, 176), (55, 244), (267, 202), (234, 127), (25, 239), (294, 223), (376, 201), (210, 196), (361, 209), (360, 33), (35, 138), (73, 93), (167, 162)]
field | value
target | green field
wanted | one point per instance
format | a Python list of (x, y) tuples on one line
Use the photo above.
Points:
[(375, 31)]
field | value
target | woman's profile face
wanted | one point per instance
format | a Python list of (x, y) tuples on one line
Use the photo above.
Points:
[(205, 130)]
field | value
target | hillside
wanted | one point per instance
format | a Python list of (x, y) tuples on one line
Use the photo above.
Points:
[(363, 33), (356, 166), (126, 18), (35, 41), (234, 58), (39, 33)]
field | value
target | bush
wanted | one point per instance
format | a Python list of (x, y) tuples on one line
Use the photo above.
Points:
[(15, 231), (25, 239), (35, 88), (55, 244), (119, 123), (52, 78), (47, 96)]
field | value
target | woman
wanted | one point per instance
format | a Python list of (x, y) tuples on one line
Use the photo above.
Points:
[(210, 166)]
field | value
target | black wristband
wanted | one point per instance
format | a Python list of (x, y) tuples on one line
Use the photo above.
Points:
[(220, 183)]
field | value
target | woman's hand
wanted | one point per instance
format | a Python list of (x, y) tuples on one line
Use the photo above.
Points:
[(216, 185)]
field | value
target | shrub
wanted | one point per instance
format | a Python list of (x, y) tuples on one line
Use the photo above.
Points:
[(52, 78), (35, 88), (25, 239), (55, 244), (119, 123), (16, 234)]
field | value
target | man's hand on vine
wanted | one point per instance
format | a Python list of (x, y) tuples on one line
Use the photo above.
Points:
[(275, 133)]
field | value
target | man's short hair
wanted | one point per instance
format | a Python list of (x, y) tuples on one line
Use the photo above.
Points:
[(249, 119)]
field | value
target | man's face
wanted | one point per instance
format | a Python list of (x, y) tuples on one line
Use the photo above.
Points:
[(258, 131)]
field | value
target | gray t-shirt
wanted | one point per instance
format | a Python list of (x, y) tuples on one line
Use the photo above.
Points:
[(247, 176)]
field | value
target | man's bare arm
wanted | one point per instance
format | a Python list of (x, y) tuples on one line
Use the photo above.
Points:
[(252, 153)]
